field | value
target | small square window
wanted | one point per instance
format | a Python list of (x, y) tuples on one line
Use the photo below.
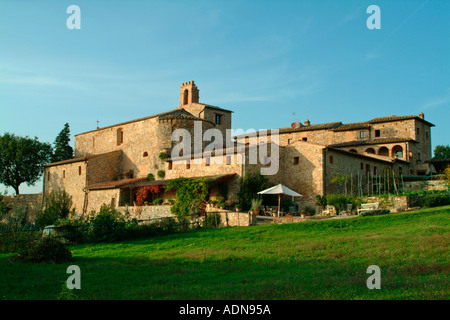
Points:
[(296, 160), (64, 174), (362, 134), (331, 159), (304, 139), (188, 165), (79, 170), (169, 164), (289, 141), (377, 133)]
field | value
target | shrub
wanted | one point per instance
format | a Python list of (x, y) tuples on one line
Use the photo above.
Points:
[(107, 225), (57, 206), (256, 203), (161, 174), (48, 249), (375, 212), (163, 156), (16, 218), (250, 185), (432, 200), (341, 201), (70, 230), (310, 209), (150, 177), (158, 201), (321, 201)]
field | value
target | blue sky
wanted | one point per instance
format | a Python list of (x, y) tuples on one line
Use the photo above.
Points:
[(265, 60)]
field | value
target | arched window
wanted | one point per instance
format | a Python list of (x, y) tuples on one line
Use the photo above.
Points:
[(383, 151), (119, 136), (370, 150), (145, 154), (397, 151), (185, 96)]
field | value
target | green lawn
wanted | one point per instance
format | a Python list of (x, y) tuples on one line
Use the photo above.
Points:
[(311, 260)]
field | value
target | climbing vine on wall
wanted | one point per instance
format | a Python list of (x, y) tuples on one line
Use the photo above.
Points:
[(191, 196)]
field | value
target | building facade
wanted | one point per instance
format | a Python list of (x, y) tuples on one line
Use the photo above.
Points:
[(112, 163)]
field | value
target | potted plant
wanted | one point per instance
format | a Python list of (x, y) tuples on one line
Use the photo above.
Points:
[(256, 206), (309, 211), (302, 213)]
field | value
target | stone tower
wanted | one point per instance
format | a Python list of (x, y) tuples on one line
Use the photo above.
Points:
[(189, 93)]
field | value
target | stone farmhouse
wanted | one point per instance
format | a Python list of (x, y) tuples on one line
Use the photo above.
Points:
[(113, 162)]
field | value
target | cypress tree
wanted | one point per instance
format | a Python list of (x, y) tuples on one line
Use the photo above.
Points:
[(62, 149)]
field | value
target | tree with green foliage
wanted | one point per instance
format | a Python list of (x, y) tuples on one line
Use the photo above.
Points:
[(250, 185), (62, 149), (22, 159), (442, 152), (447, 175)]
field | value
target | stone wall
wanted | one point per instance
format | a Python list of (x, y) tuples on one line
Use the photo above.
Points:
[(302, 170), (104, 168), (70, 177), (147, 212), (426, 185), (96, 198), (233, 218), (393, 203), (30, 202)]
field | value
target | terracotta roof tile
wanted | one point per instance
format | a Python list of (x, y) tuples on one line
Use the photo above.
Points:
[(80, 159)]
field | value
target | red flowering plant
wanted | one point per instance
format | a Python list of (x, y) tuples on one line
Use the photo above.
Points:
[(143, 192)]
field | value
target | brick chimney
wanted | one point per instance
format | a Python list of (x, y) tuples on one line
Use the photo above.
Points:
[(307, 123), (421, 115)]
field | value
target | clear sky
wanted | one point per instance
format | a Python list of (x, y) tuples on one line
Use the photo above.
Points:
[(265, 60)]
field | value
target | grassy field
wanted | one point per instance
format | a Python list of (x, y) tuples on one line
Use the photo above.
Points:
[(311, 260)]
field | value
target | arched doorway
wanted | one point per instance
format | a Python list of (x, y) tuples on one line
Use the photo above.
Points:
[(370, 150)]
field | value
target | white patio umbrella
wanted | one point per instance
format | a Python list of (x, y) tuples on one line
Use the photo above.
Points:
[(280, 189)]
